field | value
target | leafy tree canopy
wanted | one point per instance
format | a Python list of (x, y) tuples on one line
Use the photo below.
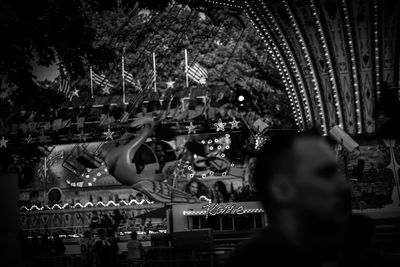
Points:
[(79, 34)]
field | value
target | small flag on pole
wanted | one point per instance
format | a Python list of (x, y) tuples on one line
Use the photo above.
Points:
[(57, 124), (197, 73), (101, 80), (65, 82), (131, 80), (155, 72), (150, 79), (131, 106), (80, 122)]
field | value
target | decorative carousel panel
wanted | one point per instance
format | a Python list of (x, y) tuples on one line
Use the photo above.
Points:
[(314, 87), (289, 31), (335, 37), (252, 9), (306, 19), (361, 15), (389, 28)]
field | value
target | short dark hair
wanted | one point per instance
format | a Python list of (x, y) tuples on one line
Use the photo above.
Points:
[(133, 235), (274, 157)]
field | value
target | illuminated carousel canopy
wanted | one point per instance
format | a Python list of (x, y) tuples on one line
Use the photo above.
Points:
[(333, 56)]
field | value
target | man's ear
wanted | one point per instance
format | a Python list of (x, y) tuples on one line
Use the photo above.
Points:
[(281, 189)]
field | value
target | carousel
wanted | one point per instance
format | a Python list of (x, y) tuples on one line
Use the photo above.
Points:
[(159, 134)]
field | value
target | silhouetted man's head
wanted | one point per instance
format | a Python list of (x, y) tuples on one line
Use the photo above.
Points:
[(298, 173)]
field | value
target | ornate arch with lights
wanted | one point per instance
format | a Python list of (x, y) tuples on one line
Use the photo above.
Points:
[(332, 55)]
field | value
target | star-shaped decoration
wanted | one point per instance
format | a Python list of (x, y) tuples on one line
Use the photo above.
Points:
[(42, 138), (202, 16), (170, 84), (106, 90), (82, 136), (69, 136), (109, 134), (218, 42), (3, 142), (202, 80), (234, 123), (191, 128), (29, 139), (220, 125), (3, 95), (74, 93)]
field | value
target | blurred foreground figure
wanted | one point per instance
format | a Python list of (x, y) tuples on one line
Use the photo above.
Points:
[(307, 201)]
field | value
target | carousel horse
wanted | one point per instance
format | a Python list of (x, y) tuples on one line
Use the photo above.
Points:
[(119, 160)]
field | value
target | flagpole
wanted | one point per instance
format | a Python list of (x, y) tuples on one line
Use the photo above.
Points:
[(44, 180), (123, 79), (60, 80), (186, 69), (154, 72), (187, 81), (91, 81), (206, 105)]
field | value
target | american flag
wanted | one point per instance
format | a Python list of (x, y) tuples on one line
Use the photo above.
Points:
[(197, 73), (65, 82), (150, 79), (131, 80), (131, 105), (101, 80)]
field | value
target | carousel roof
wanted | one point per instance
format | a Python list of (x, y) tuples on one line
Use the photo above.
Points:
[(333, 56)]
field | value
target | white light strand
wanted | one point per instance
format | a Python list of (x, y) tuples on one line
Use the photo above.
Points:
[(376, 46), (328, 57), (88, 204), (205, 198), (291, 58), (279, 63), (284, 72), (226, 3), (204, 212), (353, 62), (313, 71)]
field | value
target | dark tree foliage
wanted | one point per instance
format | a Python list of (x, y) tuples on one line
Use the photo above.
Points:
[(80, 34)]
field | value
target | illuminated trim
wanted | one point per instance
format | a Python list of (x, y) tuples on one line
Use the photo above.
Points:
[(282, 68), (328, 56), (376, 47), (204, 212), (353, 62), (310, 65), (292, 62), (88, 204)]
